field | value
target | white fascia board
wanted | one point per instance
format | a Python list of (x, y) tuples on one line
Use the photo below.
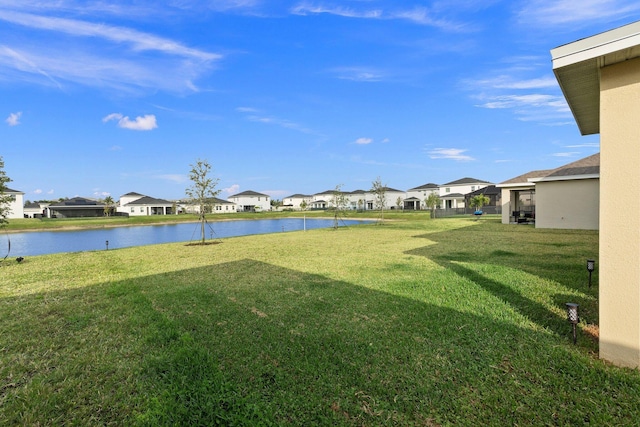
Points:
[(593, 47), (565, 178), (516, 184)]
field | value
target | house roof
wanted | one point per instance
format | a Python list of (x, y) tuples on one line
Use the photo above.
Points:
[(132, 194), (9, 190), (297, 196), (464, 181), (453, 196), (146, 200), (392, 189), (585, 167), (577, 66), (524, 178), (32, 205), (487, 191), (588, 167), (429, 186), (77, 202), (217, 201), (249, 193)]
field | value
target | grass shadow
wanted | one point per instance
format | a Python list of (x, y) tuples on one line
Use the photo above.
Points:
[(247, 342)]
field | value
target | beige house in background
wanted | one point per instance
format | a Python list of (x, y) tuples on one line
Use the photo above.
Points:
[(565, 197), (600, 79), (569, 197)]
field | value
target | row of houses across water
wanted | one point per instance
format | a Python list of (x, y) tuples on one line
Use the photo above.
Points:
[(565, 197)]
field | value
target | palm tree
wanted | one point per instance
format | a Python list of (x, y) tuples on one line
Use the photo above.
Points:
[(108, 205)]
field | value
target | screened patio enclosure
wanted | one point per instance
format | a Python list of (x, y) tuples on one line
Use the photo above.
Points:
[(523, 206)]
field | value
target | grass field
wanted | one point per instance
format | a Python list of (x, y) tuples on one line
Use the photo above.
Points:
[(414, 322)]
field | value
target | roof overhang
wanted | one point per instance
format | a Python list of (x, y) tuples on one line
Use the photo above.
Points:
[(577, 68), (565, 178)]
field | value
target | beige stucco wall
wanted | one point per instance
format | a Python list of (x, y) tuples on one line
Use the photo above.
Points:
[(568, 204), (619, 263)]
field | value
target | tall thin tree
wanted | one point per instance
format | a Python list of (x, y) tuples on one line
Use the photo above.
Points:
[(379, 191), (202, 190), (5, 199)]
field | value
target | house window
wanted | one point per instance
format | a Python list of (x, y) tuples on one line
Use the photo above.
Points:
[(447, 190), (141, 209), (473, 188), (133, 210)]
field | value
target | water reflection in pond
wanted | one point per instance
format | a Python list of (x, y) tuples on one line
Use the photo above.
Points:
[(48, 242)]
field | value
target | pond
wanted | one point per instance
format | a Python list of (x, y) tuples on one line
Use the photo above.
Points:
[(49, 242)]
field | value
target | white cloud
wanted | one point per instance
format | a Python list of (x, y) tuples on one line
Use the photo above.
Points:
[(233, 189), (14, 119), (146, 122), (450, 153), (363, 141), (37, 191)]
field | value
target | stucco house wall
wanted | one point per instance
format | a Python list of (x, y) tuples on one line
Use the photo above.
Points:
[(570, 204), (619, 226), (16, 206), (600, 79)]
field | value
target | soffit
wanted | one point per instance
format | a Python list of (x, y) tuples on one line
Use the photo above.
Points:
[(577, 68)]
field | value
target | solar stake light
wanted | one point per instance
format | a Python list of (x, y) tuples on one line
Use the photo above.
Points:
[(572, 317), (591, 265), (107, 242)]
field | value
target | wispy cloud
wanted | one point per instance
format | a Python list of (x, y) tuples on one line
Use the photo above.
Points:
[(363, 141), (416, 15), (358, 74), (311, 9), (566, 154), (14, 119), (177, 178), (146, 122), (255, 115), (562, 12), (98, 54), (456, 154), (586, 145)]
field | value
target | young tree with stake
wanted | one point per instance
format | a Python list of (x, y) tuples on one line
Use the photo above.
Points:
[(202, 190)]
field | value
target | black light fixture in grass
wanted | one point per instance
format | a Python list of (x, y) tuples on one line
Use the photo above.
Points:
[(591, 265), (572, 317)]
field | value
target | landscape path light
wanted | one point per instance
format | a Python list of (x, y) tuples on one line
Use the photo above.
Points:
[(107, 242), (572, 317), (591, 265)]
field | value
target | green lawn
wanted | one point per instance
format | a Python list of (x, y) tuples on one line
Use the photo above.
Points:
[(414, 322)]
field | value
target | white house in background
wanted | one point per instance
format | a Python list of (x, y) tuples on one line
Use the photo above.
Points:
[(35, 209), (452, 193), (357, 200), (16, 205), (415, 197), (135, 204), (295, 201), (393, 199), (251, 201)]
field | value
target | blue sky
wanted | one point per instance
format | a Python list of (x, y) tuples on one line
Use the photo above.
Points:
[(105, 97)]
